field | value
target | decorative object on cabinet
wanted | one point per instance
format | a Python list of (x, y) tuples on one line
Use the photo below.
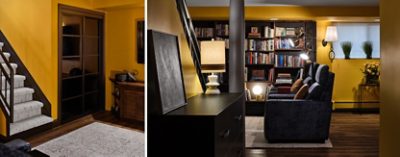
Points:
[(166, 86), (212, 61)]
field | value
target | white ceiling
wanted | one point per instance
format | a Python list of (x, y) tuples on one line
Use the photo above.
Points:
[(205, 3)]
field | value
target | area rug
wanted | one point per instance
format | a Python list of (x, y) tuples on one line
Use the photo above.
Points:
[(255, 137), (96, 140)]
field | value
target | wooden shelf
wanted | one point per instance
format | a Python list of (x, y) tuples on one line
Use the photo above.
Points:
[(259, 65), (289, 49), (259, 51), (289, 67), (261, 38), (287, 36)]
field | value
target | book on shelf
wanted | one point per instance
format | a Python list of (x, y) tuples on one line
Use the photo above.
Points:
[(268, 32), (222, 29), (259, 58), (204, 32), (289, 31), (283, 78), (258, 75), (271, 74), (245, 74), (289, 43), (288, 61), (259, 45)]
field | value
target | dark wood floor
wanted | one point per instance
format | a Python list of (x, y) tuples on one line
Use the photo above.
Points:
[(352, 135), (104, 117)]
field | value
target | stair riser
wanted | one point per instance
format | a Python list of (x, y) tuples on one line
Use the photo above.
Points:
[(7, 57), (27, 113), (21, 98), (31, 123), (8, 71)]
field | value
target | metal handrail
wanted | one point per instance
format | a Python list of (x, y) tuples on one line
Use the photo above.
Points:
[(7, 95)]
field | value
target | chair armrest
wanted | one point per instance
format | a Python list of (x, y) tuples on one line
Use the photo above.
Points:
[(19, 144)]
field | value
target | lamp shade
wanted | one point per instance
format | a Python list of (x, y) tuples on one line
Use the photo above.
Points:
[(331, 34), (212, 56)]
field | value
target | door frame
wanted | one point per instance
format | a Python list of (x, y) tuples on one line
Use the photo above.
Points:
[(65, 9)]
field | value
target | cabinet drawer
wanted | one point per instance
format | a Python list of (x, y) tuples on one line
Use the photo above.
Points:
[(228, 127)]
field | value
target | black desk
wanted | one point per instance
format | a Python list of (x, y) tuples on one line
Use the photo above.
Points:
[(208, 126)]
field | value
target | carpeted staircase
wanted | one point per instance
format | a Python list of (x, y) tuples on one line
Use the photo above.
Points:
[(27, 112)]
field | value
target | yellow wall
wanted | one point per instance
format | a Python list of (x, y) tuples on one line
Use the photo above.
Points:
[(163, 16), (27, 25), (121, 44), (32, 28), (348, 76), (323, 17), (390, 91)]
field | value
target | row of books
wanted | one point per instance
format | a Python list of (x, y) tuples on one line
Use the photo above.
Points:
[(283, 78), (259, 74), (289, 43), (259, 58), (222, 29), (288, 61), (204, 32), (282, 31), (259, 45)]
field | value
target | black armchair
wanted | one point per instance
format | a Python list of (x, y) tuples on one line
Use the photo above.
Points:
[(310, 72), (308, 120), (15, 148)]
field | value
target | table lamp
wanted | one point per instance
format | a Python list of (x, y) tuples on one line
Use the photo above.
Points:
[(330, 36), (212, 61)]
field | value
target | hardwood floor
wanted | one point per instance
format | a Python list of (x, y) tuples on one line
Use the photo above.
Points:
[(355, 135), (104, 117)]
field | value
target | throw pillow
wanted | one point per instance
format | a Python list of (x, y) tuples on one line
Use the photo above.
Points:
[(314, 92), (296, 85), (302, 92)]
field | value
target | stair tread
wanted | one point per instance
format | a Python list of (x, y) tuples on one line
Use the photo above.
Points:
[(28, 103), (19, 77), (30, 123), (22, 90)]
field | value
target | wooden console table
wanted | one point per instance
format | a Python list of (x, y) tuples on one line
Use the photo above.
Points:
[(131, 100)]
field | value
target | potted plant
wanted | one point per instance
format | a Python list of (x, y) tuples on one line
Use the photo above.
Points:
[(371, 73), (367, 47), (346, 47)]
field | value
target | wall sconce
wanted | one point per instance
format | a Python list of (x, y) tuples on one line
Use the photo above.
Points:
[(330, 36)]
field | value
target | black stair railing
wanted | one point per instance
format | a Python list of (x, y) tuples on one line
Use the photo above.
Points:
[(7, 87)]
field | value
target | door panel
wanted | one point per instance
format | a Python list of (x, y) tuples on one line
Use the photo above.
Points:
[(81, 65)]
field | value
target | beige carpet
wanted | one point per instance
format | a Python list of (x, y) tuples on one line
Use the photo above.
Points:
[(255, 137), (96, 140)]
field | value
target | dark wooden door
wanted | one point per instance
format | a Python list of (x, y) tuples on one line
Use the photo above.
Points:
[(81, 76)]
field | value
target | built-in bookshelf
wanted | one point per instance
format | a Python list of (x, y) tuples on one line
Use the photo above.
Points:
[(271, 47)]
